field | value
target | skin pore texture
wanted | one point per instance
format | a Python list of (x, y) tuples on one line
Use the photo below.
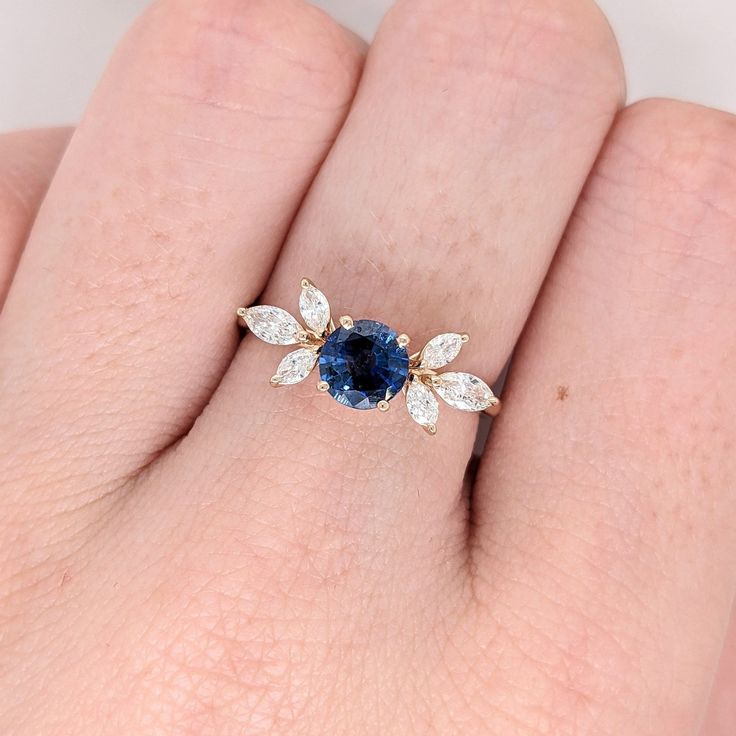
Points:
[(185, 550)]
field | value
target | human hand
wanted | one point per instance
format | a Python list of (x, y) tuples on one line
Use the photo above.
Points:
[(185, 550)]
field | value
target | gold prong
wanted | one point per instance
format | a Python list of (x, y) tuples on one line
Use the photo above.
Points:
[(430, 429), (302, 336), (383, 405), (403, 340), (306, 283), (464, 337), (242, 311), (347, 321), (494, 408), (275, 381), (435, 381), (323, 386)]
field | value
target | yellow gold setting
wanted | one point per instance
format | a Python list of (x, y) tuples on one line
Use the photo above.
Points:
[(423, 374)]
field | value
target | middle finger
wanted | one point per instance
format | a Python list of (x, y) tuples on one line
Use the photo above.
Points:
[(438, 209)]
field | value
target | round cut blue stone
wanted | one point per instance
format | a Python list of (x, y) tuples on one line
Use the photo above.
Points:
[(364, 364)]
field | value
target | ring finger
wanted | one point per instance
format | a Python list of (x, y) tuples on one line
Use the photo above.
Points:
[(438, 209)]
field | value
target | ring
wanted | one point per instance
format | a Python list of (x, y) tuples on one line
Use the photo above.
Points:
[(363, 364)]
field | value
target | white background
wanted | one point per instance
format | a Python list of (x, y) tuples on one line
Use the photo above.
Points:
[(53, 51)]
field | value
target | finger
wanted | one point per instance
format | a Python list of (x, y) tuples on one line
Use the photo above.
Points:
[(169, 209), (605, 537), (437, 210), (28, 160), (721, 717)]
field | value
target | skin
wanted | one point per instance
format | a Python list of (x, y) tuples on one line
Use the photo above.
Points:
[(184, 550), (29, 159)]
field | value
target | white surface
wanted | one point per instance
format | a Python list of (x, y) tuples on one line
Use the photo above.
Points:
[(53, 51)]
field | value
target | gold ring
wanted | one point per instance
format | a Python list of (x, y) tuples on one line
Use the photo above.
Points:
[(364, 364)]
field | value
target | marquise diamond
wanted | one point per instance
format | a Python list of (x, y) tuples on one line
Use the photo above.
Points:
[(465, 391), (421, 403), (314, 308), (441, 350), (273, 325), (295, 367)]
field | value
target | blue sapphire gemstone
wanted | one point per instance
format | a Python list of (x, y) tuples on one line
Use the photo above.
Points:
[(364, 364)]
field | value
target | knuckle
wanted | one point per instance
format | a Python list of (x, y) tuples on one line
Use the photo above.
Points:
[(684, 143), (214, 52), (222, 671), (674, 165), (232, 646), (573, 668), (559, 44)]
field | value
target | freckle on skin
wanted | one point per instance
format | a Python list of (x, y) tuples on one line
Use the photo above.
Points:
[(562, 393)]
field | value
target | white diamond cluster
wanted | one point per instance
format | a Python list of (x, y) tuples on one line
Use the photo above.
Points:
[(277, 327), (460, 390)]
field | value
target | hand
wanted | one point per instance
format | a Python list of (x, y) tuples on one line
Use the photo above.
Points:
[(187, 551)]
